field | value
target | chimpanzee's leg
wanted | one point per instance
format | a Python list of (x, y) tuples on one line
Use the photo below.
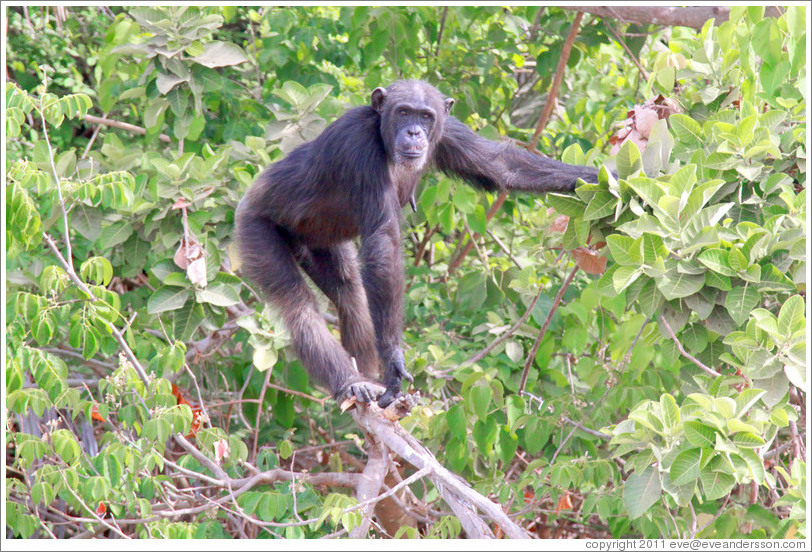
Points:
[(268, 259), (336, 272)]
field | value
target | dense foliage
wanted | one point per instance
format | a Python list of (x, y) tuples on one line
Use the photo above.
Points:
[(659, 394)]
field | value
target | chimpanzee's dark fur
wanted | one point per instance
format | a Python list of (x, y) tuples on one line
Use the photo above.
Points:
[(305, 210)]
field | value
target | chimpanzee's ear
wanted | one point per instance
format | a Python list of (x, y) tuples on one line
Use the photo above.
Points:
[(448, 103), (378, 96)]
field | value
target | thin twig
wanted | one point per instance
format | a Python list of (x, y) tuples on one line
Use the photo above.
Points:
[(559, 76), (504, 248), (585, 429), (259, 412), (487, 350), (92, 119), (531, 357), (92, 139), (83, 287), (440, 33), (685, 353)]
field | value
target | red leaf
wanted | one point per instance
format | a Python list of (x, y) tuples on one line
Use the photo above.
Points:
[(181, 203), (560, 223), (95, 413), (221, 450), (101, 509), (564, 503), (590, 261)]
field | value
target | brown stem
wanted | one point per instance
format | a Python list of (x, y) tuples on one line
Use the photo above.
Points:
[(559, 76), (92, 119), (486, 351), (685, 353), (529, 362), (456, 261)]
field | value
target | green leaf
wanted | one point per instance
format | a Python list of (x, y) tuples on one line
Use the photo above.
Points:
[(455, 418), (484, 433), (481, 398), (755, 464), (675, 284), (115, 234), (670, 411), (620, 246), (685, 467), (740, 302), (748, 440), (456, 452), (167, 298), (736, 260), (699, 434), (628, 159), (221, 54), (564, 204), (98, 270), (641, 491), (624, 276), (647, 189), (791, 316), (686, 129), (186, 320), (767, 41), (265, 357), (653, 248), (746, 399), (602, 205), (65, 445), (218, 293), (716, 484), (650, 299)]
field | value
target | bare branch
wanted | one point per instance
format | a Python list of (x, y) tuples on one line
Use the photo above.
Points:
[(369, 486), (407, 447), (532, 355), (693, 17), (685, 353), (92, 119)]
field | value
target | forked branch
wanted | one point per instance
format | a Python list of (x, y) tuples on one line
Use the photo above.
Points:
[(458, 494)]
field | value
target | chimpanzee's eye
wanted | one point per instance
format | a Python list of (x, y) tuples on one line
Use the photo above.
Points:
[(426, 116), (403, 112)]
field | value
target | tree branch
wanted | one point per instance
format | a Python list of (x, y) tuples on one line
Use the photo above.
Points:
[(693, 17), (92, 119), (685, 353), (454, 489)]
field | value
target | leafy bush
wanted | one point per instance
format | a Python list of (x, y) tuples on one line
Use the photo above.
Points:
[(659, 394)]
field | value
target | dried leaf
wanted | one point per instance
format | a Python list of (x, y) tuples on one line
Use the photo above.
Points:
[(589, 261), (221, 450), (197, 272), (560, 223), (564, 503)]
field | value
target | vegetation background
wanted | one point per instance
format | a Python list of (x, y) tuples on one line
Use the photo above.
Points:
[(628, 361)]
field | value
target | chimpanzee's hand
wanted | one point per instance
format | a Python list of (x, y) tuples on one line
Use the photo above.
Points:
[(393, 377)]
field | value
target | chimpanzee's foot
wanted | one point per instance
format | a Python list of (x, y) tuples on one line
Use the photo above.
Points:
[(364, 391)]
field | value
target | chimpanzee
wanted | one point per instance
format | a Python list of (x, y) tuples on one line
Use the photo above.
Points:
[(353, 180)]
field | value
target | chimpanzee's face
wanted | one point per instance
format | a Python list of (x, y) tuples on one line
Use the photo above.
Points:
[(413, 124), (412, 116)]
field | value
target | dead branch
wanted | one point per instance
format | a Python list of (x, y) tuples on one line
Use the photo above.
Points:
[(693, 17), (458, 494), (370, 485), (123, 126), (685, 353)]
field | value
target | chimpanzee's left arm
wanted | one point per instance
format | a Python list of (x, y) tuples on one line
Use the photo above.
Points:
[(501, 166)]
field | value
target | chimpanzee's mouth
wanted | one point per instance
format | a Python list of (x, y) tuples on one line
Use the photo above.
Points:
[(412, 153)]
